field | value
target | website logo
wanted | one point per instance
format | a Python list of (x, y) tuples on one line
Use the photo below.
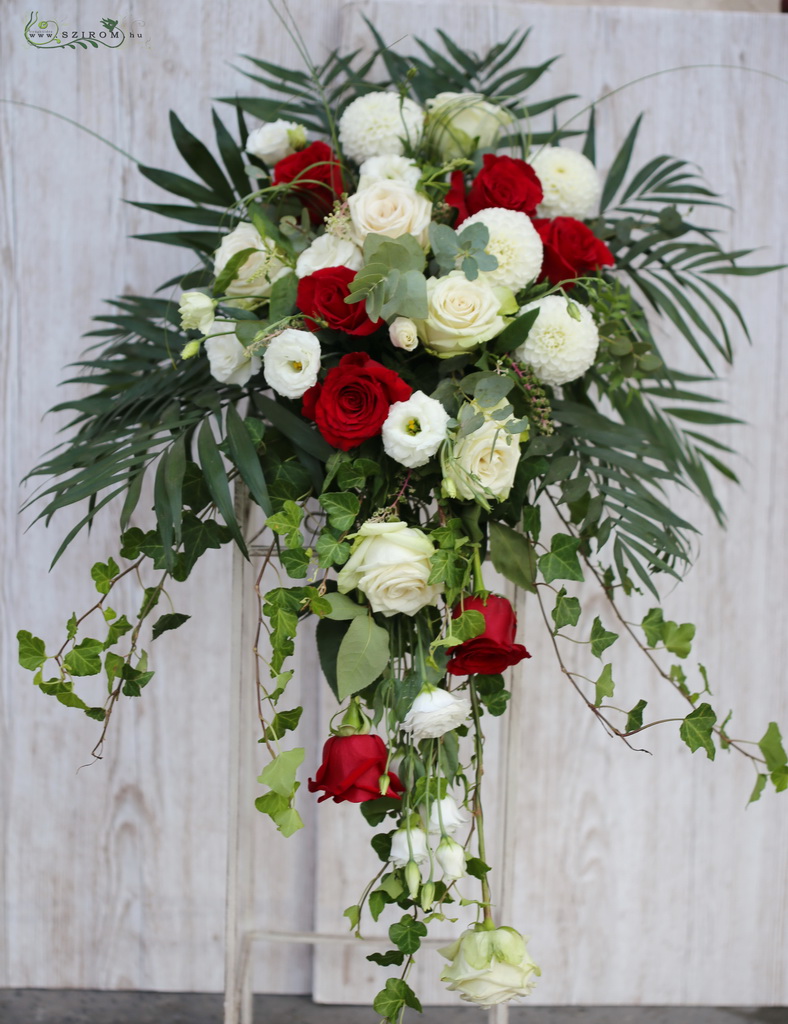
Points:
[(47, 34)]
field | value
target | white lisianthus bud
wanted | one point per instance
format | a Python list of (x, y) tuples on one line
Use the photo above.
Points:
[(459, 123), (197, 310), (377, 124), (427, 896), (191, 348), (404, 334), (412, 878), (229, 360), (489, 966), (273, 142), (451, 857), (390, 208), (389, 168), (571, 184), (446, 816), (329, 251), (435, 712), (292, 362), (402, 851), (414, 430), (561, 345)]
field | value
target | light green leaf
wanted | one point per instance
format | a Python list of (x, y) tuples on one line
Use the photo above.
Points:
[(566, 611), (772, 748), (601, 638), (344, 607), (678, 639), (363, 655), (604, 685), (353, 914), (696, 730), (103, 573), (342, 509), (280, 774), (85, 658), (760, 782), (652, 625), (32, 650), (283, 722), (561, 561)]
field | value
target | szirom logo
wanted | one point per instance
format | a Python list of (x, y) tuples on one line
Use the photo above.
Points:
[(48, 35)]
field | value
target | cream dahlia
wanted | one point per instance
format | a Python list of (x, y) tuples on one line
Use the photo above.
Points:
[(376, 124), (570, 181), (514, 242), (559, 347)]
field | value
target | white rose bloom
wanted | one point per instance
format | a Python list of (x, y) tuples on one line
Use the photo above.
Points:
[(435, 712), (460, 314), (273, 142), (390, 565), (451, 858), (489, 967), (570, 181), (461, 122), (404, 334), (389, 168), (515, 243), (292, 362), (329, 251), (376, 124), (390, 208), (401, 853), (446, 816), (414, 430), (259, 271), (558, 347), (484, 461), (230, 362), (197, 310)]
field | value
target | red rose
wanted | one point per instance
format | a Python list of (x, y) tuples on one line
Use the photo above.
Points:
[(456, 196), (493, 650), (505, 182), (351, 770), (570, 250), (353, 401), (321, 296), (317, 174)]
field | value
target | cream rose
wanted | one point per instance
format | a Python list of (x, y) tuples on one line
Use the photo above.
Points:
[(483, 463), (404, 334), (274, 141), (329, 251), (458, 123), (460, 314), (390, 565), (390, 208), (489, 967), (258, 272), (230, 362)]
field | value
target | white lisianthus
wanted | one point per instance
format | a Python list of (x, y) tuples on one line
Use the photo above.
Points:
[(376, 124), (273, 142), (460, 314), (461, 122), (484, 462), (446, 816), (329, 251), (451, 857), (515, 243), (404, 334), (570, 181), (259, 270), (390, 208), (489, 966), (389, 168), (229, 360), (559, 347), (390, 565), (401, 852), (435, 712), (414, 430), (197, 311), (292, 362)]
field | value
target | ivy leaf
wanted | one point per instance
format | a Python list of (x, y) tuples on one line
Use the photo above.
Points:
[(601, 638), (476, 867), (282, 723), (381, 844), (566, 611), (363, 655), (696, 730), (169, 621), (296, 562), (32, 650), (561, 561), (103, 573), (780, 779), (407, 934), (330, 549), (678, 639), (772, 748), (652, 626), (760, 782), (85, 658), (280, 774), (604, 685), (390, 1000), (391, 958), (635, 716), (353, 914), (342, 509), (344, 607)]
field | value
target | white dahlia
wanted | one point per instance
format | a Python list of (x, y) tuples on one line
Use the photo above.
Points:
[(389, 168), (515, 243), (274, 141), (571, 183), (414, 430), (292, 362), (329, 251), (376, 124), (559, 347)]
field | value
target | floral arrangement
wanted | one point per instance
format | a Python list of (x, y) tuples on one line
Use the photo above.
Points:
[(417, 322)]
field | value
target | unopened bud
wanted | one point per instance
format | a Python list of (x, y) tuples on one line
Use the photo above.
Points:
[(354, 721), (427, 896), (412, 878), (384, 782), (191, 348)]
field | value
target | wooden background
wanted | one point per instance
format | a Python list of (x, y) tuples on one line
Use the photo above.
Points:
[(641, 879)]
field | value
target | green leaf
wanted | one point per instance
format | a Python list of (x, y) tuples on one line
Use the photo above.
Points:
[(760, 782), (566, 611), (283, 722), (391, 958), (532, 521), (772, 748), (407, 934), (170, 621), (652, 625), (283, 297), (678, 639), (288, 821), (363, 655), (103, 574), (604, 685), (635, 716), (32, 650), (476, 867), (216, 480), (601, 638), (353, 914), (393, 997), (513, 555), (561, 561), (696, 730), (344, 607), (619, 167), (84, 659), (244, 455), (780, 779), (280, 774), (296, 561), (201, 161), (342, 509), (514, 335)]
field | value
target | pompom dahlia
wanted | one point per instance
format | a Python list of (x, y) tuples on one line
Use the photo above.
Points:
[(515, 243), (559, 347), (570, 181), (376, 124)]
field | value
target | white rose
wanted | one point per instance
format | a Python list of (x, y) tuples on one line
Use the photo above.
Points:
[(414, 430), (451, 858), (390, 565), (329, 251), (258, 272), (401, 852), (572, 186), (515, 243), (404, 334), (292, 362), (446, 816), (273, 142), (377, 123), (390, 208), (484, 461), (230, 362), (197, 310), (461, 122), (559, 347), (389, 168), (489, 967), (435, 712), (460, 314)]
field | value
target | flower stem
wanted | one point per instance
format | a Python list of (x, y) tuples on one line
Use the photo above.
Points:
[(478, 811)]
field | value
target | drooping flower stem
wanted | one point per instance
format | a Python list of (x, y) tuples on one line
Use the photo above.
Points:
[(478, 811)]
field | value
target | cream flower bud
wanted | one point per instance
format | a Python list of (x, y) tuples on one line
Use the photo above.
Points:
[(404, 334), (292, 362), (451, 857), (191, 348), (229, 360), (274, 141), (435, 712), (412, 878), (197, 310), (427, 896), (403, 851)]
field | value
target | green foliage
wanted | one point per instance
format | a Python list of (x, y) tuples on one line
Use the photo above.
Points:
[(561, 561), (464, 250), (697, 730), (601, 638), (390, 1001), (407, 934), (363, 656), (513, 555), (566, 611)]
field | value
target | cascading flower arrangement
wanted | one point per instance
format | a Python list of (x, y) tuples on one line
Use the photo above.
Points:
[(417, 321)]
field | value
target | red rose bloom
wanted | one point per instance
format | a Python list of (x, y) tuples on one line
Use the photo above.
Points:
[(570, 250), (351, 770), (505, 182), (456, 196), (493, 650), (353, 401), (321, 297), (318, 176)]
